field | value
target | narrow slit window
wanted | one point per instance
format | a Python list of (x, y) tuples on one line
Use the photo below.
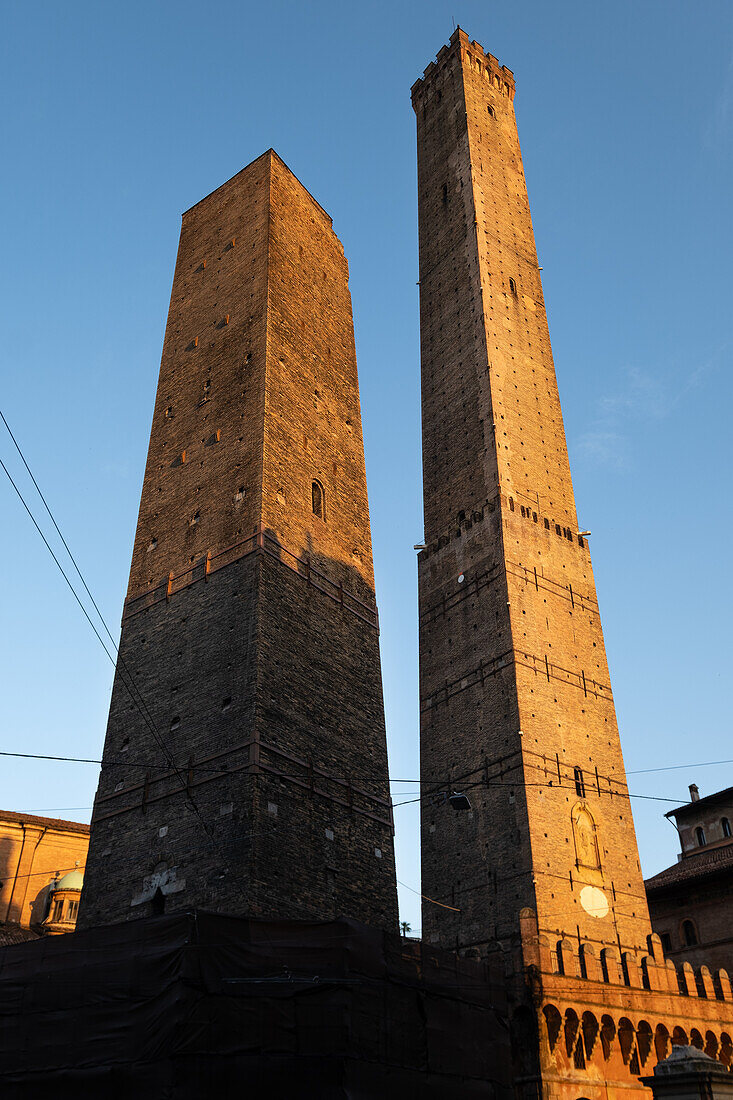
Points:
[(689, 933), (579, 782), (513, 287), (318, 498), (491, 111)]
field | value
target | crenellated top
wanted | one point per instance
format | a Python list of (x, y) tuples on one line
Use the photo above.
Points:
[(473, 53), (648, 970)]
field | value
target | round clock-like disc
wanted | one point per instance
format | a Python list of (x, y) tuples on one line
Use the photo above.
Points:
[(594, 901)]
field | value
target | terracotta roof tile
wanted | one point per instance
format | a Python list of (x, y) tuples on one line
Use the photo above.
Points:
[(20, 818), (700, 865), (13, 933)]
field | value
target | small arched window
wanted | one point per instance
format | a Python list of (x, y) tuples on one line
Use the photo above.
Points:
[(513, 287), (689, 935), (491, 111), (579, 782), (700, 836), (725, 825), (319, 500)]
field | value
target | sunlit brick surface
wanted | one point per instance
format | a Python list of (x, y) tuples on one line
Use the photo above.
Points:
[(250, 629)]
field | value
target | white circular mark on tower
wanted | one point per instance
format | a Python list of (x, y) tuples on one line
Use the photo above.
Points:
[(594, 901), (461, 578)]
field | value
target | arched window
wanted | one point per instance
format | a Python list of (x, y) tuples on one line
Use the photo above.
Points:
[(700, 836), (725, 825), (319, 500), (491, 111), (679, 1038), (661, 1042), (553, 1020), (513, 287), (579, 782), (689, 935)]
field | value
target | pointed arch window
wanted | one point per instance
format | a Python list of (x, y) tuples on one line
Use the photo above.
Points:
[(318, 500)]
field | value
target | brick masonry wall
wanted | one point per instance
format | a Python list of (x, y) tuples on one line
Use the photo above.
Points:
[(515, 689), (258, 662), (707, 903), (514, 684)]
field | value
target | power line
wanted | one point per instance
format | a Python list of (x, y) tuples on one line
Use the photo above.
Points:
[(678, 767), (58, 530), (426, 898), (523, 783), (420, 798), (138, 700), (56, 560), (550, 784), (140, 704), (222, 770)]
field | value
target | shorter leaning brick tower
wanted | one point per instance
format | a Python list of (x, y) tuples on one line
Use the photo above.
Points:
[(245, 765), (516, 705)]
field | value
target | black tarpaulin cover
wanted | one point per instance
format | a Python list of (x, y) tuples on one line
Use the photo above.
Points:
[(184, 1006)]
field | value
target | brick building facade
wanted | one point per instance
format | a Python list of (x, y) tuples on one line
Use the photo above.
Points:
[(691, 902), (517, 712), (248, 697)]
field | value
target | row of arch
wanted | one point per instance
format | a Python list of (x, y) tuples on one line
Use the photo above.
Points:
[(577, 1041)]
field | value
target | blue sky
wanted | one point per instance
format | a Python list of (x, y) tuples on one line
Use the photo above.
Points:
[(116, 118)]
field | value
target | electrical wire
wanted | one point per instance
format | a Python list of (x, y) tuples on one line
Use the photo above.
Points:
[(678, 767), (426, 898), (144, 711), (420, 798), (140, 704)]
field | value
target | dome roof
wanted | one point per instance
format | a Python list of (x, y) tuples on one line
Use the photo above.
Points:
[(73, 880)]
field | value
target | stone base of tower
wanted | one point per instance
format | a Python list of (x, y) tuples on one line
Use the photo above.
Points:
[(594, 1021), (197, 1004)]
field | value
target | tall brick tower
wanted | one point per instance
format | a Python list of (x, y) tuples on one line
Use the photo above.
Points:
[(515, 695), (517, 712), (249, 773)]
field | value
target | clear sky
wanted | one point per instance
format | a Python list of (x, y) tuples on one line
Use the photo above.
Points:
[(117, 117)]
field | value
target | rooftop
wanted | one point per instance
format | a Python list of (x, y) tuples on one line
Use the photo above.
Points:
[(691, 808), (700, 865), (271, 154), (13, 933), (17, 817)]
